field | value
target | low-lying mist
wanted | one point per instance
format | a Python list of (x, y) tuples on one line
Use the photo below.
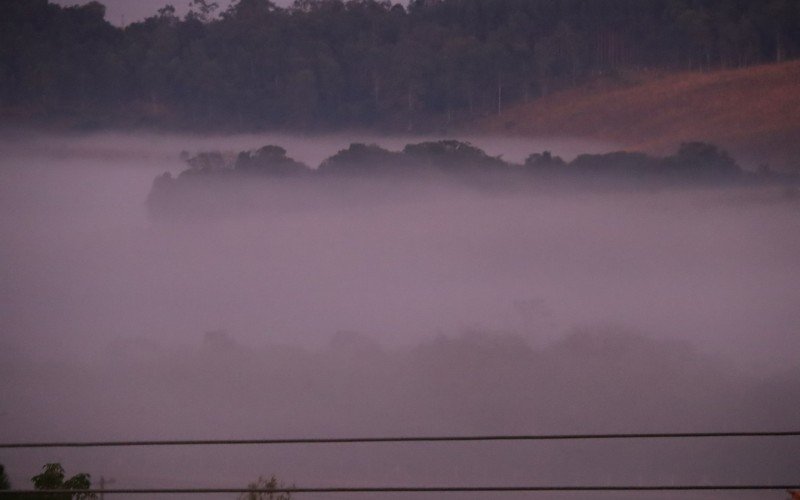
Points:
[(425, 309)]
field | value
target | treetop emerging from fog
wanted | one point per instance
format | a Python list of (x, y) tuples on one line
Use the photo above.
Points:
[(198, 189), (323, 64)]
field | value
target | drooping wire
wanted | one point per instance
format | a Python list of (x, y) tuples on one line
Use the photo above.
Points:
[(395, 439)]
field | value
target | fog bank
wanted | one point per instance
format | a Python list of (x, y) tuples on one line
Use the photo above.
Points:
[(435, 310)]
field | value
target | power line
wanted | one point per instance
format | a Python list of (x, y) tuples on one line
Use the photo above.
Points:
[(417, 489), (395, 439)]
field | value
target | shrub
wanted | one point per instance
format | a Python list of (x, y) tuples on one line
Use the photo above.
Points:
[(264, 489)]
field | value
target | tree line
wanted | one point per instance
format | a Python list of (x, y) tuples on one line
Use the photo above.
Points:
[(694, 161), (214, 182), (324, 64)]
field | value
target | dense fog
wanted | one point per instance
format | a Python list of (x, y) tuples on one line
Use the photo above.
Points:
[(421, 310)]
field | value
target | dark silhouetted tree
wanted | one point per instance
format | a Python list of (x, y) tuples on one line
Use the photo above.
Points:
[(53, 478), (264, 489), (5, 484)]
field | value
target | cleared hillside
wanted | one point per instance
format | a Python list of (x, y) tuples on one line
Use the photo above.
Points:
[(753, 112)]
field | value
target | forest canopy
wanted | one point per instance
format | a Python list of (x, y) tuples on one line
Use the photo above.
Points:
[(213, 182), (327, 64)]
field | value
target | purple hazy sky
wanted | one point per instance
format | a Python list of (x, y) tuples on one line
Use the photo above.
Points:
[(121, 12)]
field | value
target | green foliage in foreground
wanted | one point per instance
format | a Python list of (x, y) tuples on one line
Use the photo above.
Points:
[(264, 489), (53, 477), (5, 484)]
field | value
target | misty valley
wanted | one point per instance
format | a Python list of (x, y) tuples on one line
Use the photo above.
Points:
[(400, 249), (247, 295)]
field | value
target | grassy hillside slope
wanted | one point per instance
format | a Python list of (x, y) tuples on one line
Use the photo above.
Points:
[(754, 113)]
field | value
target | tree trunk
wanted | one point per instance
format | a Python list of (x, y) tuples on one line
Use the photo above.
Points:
[(499, 94)]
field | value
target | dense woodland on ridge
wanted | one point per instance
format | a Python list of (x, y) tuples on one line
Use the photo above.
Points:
[(327, 64)]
